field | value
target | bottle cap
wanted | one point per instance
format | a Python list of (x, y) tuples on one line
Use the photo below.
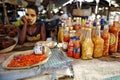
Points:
[(94, 24)]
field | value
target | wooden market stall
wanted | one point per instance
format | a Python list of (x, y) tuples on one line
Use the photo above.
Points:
[(63, 61)]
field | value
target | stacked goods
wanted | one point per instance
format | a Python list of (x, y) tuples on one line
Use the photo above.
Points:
[(96, 38), (8, 30)]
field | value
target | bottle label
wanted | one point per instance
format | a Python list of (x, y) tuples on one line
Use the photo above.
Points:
[(76, 50), (65, 45), (112, 38)]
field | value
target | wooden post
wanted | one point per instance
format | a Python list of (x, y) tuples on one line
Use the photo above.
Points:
[(109, 9), (5, 12), (49, 14)]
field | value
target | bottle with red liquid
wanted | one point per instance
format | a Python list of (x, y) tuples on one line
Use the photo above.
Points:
[(76, 53), (70, 47), (66, 38)]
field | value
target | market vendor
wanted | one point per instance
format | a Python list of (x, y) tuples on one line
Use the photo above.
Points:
[(31, 30)]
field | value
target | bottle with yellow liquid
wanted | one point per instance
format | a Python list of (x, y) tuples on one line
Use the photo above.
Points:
[(87, 45), (69, 23), (60, 33)]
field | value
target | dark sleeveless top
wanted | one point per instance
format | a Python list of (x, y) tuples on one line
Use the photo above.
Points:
[(36, 35)]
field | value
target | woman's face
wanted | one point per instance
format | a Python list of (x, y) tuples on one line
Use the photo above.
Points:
[(31, 16)]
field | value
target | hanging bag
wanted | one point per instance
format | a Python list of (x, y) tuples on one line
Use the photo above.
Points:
[(81, 12)]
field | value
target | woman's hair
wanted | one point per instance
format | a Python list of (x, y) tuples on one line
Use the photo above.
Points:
[(34, 7)]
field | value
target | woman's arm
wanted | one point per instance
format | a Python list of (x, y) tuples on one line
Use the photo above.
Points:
[(22, 33), (43, 32)]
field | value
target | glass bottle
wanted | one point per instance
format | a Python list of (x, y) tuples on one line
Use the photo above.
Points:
[(102, 23), (60, 33), (98, 43), (114, 30), (87, 45), (106, 36), (69, 23), (94, 30)]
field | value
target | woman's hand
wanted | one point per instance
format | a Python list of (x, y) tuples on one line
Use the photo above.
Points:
[(24, 20)]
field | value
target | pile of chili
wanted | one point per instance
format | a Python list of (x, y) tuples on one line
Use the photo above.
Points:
[(26, 60)]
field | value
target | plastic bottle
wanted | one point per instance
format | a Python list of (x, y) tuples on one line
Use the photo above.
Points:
[(76, 53), (70, 47)]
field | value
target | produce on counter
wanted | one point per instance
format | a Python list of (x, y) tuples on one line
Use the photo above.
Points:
[(26, 60), (8, 30), (6, 42)]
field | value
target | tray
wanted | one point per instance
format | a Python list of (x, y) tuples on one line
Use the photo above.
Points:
[(47, 52)]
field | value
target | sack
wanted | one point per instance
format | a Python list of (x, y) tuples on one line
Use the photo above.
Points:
[(82, 12), (77, 12)]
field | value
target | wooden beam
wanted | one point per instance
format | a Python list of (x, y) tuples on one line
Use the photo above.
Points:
[(5, 13)]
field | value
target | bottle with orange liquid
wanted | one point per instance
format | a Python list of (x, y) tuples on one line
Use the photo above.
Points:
[(98, 43), (114, 30), (106, 36)]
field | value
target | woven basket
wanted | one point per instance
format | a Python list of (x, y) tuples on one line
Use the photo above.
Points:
[(47, 52), (10, 48)]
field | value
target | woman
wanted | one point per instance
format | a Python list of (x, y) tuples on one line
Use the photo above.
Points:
[(30, 30)]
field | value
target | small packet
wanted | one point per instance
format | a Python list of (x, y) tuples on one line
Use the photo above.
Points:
[(38, 49)]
